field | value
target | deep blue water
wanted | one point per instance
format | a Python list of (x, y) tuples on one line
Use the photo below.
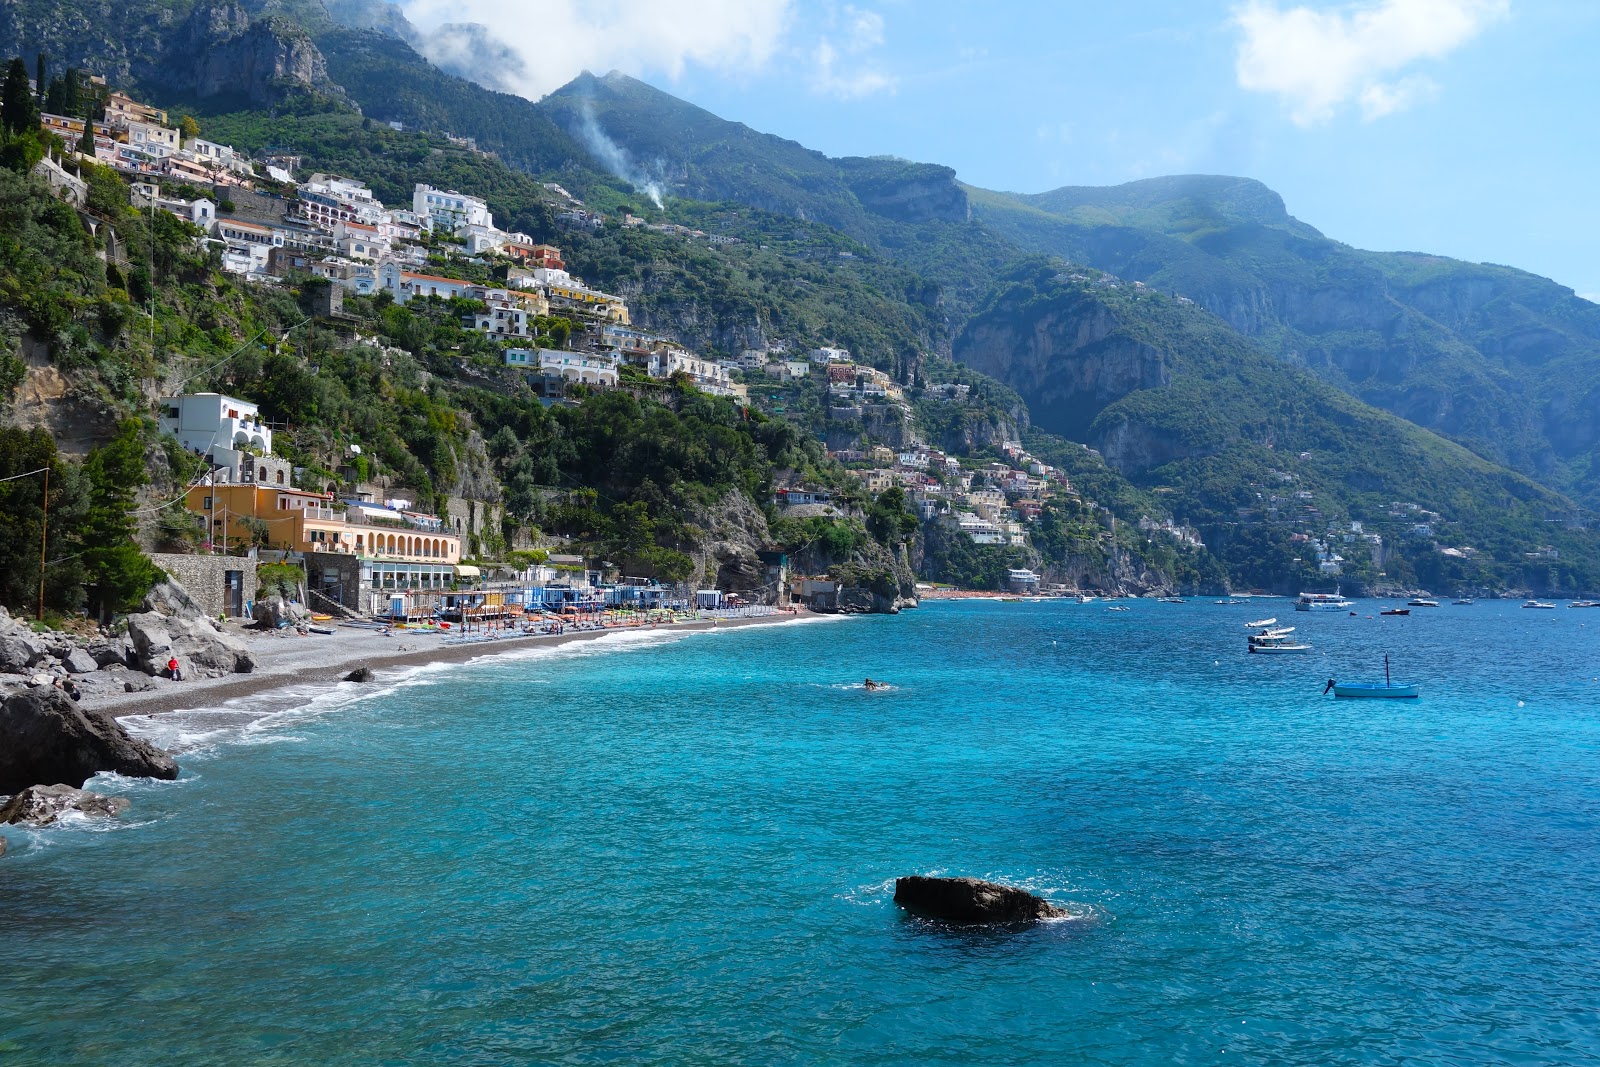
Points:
[(679, 849)]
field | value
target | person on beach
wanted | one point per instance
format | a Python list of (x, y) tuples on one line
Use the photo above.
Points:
[(172, 670)]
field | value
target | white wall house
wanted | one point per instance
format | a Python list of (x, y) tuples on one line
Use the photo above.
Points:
[(449, 210), (227, 432), (706, 375), (404, 285), (584, 368)]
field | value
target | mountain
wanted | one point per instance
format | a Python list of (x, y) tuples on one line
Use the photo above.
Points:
[(1231, 371), (1503, 361)]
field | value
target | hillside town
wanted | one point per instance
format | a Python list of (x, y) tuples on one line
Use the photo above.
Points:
[(267, 222)]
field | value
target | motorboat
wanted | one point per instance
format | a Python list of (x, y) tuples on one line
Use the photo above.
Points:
[(1465, 602), (1423, 602), (1322, 602), (1229, 600), (1118, 608), (1276, 646), (1387, 689), (1540, 604), (1584, 604), (1397, 611), (1276, 641), (1259, 624), (1173, 600)]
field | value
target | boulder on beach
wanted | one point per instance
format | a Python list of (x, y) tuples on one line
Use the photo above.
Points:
[(79, 661), (172, 624), (46, 737), (109, 651), (970, 900), (360, 674), (41, 805), (274, 613), (20, 650)]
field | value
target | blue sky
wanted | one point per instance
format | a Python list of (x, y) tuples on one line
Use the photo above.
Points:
[(1460, 127)]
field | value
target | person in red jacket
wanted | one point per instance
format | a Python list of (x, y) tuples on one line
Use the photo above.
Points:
[(172, 670)]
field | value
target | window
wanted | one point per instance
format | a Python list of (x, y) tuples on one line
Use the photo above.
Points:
[(205, 504)]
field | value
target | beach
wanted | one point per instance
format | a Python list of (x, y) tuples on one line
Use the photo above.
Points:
[(286, 658)]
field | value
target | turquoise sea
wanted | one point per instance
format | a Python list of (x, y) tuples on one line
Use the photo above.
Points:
[(679, 848)]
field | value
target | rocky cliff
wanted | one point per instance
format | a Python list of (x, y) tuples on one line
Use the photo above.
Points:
[(1071, 356), (220, 51)]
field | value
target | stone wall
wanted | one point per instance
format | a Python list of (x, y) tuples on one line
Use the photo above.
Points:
[(337, 577), (205, 578)]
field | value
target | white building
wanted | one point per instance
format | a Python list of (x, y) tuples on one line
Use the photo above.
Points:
[(405, 285), (503, 317), (981, 531), (360, 240), (580, 368), (830, 355), (218, 155), (156, 140), (706, 375), (225, 430), (450, 211)]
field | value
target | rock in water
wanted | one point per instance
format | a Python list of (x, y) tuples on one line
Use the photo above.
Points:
[(2, 846), (45, 737), (360, 674), (968, 900), (41, 805)]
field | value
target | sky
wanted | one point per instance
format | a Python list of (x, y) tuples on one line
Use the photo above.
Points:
[(1459, 127)]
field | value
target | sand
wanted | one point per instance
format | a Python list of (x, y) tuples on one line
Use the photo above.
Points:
[(284, 659)]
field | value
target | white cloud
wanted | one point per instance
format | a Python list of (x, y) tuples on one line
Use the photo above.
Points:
[(1317, 61), (556, 40), (847, 70)]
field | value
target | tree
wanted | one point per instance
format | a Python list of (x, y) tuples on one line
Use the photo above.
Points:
[(16, 99), (188, 127), (116, 572), (86, 140)]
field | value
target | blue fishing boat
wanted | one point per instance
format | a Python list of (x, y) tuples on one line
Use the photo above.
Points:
[(1389, 689)]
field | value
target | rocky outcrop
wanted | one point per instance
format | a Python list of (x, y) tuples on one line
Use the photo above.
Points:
[(41, 805), (361, 674), (46, 737), (906, 192), (969, 900), (221, 52), (735, 531), (172, 625), (1069, 358)]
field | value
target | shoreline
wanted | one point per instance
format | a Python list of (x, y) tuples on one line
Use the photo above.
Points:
[(281, 667)]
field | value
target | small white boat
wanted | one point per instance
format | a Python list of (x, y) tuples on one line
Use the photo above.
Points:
[(1173, 600), (1584, 604), (1465, 602), (1229, 600), (1422, 602), (1119, 609), (1277, 647), (1538, 604)]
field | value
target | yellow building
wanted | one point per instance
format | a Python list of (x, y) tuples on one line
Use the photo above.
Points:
[(302, 521)]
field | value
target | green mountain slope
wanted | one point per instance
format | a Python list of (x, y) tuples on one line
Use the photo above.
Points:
[(1180, 403), (1503, 361)]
